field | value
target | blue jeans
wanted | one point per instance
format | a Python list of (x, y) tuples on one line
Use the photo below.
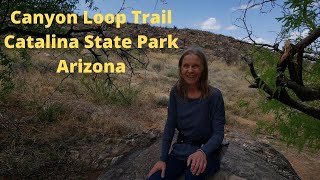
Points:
[(175, 168)]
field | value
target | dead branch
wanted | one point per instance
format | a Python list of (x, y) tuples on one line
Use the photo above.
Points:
[(245, 26), (55, 90)]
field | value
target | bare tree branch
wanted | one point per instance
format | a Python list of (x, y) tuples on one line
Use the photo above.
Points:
[(291, 58), (309, 39), (303, 93), (251, 4), (55, 90), (281, 94)]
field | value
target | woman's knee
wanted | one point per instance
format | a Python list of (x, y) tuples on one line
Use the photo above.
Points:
[(189, 176), (155, 176)]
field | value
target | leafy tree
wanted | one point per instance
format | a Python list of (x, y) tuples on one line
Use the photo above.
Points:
[(292, 85)]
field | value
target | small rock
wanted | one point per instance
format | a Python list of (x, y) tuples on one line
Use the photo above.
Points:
[(234, 177), (153, 136), (74, 154), (130, 142), (115, 159), (103, 156)]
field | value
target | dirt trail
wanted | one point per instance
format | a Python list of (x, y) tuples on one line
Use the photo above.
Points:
[(306, 164)]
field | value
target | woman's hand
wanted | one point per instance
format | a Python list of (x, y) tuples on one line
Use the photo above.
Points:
[(160, 165), (198, 161)]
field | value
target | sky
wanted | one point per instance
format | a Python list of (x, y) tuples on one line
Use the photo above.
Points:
[(216, 16)]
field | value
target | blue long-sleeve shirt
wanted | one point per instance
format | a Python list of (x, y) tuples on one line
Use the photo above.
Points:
[(196, 119)]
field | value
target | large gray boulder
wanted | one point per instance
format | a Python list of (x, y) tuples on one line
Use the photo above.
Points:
[(246, 158)]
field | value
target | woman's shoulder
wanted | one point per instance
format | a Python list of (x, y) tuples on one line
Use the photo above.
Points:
[(174, 89), (215, 92)]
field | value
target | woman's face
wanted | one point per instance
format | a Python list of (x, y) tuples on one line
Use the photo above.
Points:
[(191, 69)]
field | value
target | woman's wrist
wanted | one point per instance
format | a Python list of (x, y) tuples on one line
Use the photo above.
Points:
[(202, 152)]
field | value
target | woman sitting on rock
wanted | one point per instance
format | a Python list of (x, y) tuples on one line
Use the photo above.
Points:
[(196, 110)]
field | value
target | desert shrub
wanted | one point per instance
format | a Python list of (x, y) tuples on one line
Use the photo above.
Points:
[(157, 67), (51, 113), (6, 83), (173, 73), (102, 91), (162, 101), (24, 59)]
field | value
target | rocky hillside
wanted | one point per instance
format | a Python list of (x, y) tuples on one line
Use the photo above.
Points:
[(220, 47)]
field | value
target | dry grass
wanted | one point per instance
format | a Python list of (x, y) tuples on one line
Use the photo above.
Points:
[(63, 134)]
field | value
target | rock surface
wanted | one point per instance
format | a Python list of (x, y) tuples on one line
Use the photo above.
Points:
[(246, 158)]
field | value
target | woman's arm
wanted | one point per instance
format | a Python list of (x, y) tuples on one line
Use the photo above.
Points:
[(169, 127), (218, 122), (167, 136)]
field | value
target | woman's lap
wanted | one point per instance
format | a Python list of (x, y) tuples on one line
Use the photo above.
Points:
[(175, 168)]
